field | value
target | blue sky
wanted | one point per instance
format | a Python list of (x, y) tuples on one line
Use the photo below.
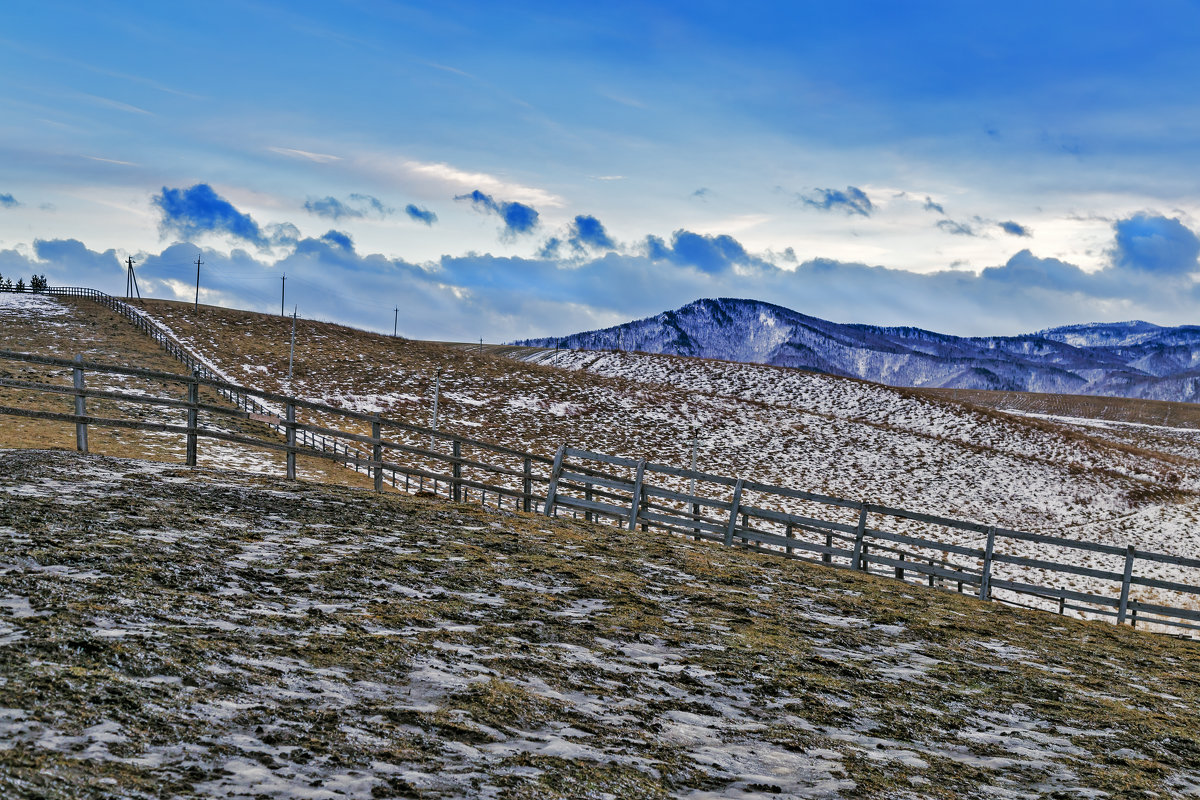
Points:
[(521, 169)]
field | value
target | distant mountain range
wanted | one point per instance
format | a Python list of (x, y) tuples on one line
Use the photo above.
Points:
[(1124, 359)]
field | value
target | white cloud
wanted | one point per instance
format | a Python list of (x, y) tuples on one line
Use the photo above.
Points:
[(319, 158), (453, 181)]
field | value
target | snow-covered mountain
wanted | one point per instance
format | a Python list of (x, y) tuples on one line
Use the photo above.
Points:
[(1127, 359)]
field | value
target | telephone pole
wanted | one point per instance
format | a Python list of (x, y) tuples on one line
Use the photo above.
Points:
[(282, 294), (196, 305), (292, 352), (396, 322), (131, 280)]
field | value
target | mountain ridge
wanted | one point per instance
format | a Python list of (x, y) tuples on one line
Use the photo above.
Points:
[(1126, 359)]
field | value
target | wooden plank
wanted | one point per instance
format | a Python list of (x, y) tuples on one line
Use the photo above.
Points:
[(617, 512), (193, 421), (928, 544), (800, 494), (984, 584), (637, 494), (603, 459), (1069, 594), (682, 497), (81, 431), (1073, 544), (290, 416), (733, 511), (679, 472), (859, 532), (555, 471), (925, 568), (575, 477), (1163, 558), (1055, 566), (795, 519), (1155, 583), (1125, 580), (929, 519), (687, 522)]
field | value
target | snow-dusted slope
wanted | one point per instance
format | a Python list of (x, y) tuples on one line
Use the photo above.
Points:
[(1130, 359)]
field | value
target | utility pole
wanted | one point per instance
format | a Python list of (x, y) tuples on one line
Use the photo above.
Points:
[(282, 294), (131, 280), (292, 352), (480, 345), (396, 322), (196, 306), (437, 387)]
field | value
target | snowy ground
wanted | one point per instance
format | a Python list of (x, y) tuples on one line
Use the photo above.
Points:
[(226, 635), (839, 437)]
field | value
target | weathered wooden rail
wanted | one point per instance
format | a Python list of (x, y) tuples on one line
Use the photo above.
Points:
[(634, 493), (751, 515), (239, 396)]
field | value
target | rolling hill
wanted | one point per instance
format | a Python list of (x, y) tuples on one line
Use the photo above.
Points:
[(1127, 359)]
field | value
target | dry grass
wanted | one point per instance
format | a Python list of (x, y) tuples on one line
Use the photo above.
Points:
[(1114, 409), (98, 334)]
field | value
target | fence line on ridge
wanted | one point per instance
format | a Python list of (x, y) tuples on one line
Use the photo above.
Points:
[(633, 493)]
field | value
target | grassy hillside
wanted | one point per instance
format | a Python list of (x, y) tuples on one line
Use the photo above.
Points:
[(221, 634), (67, 327)]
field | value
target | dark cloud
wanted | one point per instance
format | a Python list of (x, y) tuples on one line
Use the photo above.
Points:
[(1014, 228), (956, 228), (852, 201), (711, 254), (358, 205), (932, 206), (586, 232), (518, 218), (420, 214), (340, 239), (1148, 243), (8, 201), (702, 193), (198, 210)]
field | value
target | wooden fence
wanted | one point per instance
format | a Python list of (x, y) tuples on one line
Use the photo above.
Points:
[(240, 397), (636, 493), (737, 512)]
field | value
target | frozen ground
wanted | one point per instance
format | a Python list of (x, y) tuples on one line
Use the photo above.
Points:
[(839, 437), (226, 635)]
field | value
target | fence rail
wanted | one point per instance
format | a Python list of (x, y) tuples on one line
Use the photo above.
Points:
[(632, 493)]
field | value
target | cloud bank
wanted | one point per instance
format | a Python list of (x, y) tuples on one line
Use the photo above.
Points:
[(1152, 272), (8, 201)]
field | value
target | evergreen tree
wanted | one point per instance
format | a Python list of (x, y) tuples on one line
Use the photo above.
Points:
[(20, 284)]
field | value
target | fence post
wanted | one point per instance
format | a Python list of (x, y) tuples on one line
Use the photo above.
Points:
[(828, 557), (555, 471), (589, 495), (456, 489), (527, 484), (377, 452), (80, 408), (985, 581), (291, 440), (859, 532), (733, 511), (900, 570), (192, 418), (1125, 581), (637, 494), (789, 535), (696, 518)]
